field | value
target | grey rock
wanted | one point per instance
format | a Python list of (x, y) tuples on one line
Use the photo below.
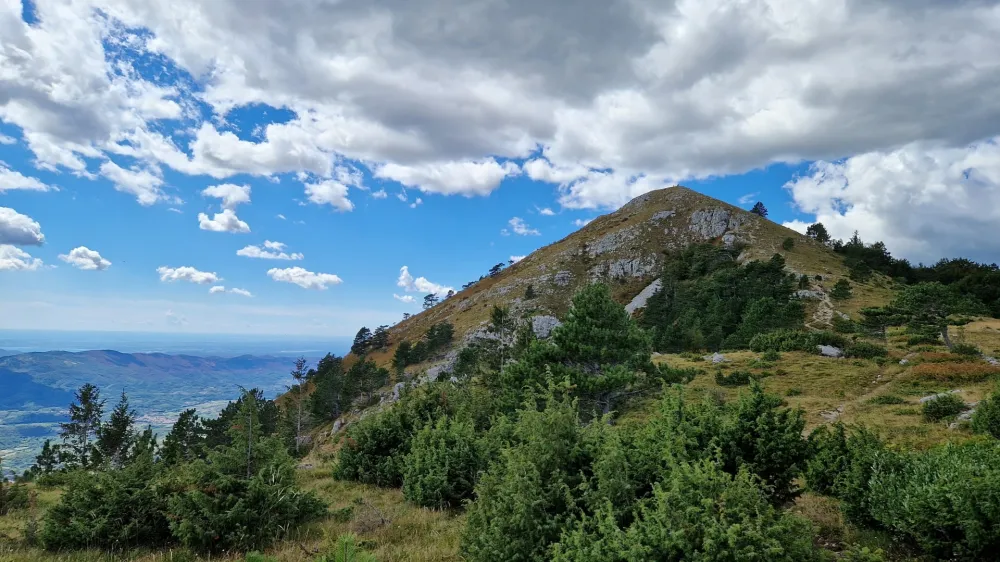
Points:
[(991, 360), (639, 301), (397, 389), (337, 426), (543, 325), (305, 466), (939, 395), (611, 241), (716, 358), (636, 267), (830, 351), (710, 223), (662, 215), (563, 278), (904, 361), (728, 239), (807, 294)]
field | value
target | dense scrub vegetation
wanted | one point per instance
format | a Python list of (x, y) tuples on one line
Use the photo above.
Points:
[(219, 484), (709, 301)]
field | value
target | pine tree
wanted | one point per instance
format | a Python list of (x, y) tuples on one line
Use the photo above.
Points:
[(402, 356), (380, 338), (759, 209), (496, 269), (529, 292), (328, 398), (362, 341), (85, 419), (502, 327), (116, 437), (299, 376), (430, 300), (841, 290), (47, 461), (818, 233), (929, 305), (185, 441)]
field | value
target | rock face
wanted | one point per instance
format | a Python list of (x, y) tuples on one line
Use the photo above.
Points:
[(563, 278), (713, 223), (612, 241), (662, 215), (830, 351), (635, 267), (640, 300), (806, 294), (543, 325)]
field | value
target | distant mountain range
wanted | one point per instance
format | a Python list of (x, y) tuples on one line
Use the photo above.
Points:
[(38, 388)]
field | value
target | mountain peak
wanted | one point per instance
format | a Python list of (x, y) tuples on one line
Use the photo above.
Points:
[(624, 249)]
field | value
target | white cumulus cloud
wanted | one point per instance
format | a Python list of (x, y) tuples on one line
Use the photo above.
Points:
[(86, 259), (226, 221), (404, 298), (187, 273), (241, 292), (231, 194), (329, 192), (144, 183), (19, 230), (269, 251), (924, 202), (16, 259), (420, 284), (217, 289), (521, 228), (516, 259), (304, 278), (12, 179)]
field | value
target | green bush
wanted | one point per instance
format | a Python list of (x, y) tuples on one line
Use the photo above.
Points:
[(945, 500), (829, 458), (788, 244), (843, 325), (771, 355), (109, 510), (258, 557), (526, 497), (376, 445), (698, 513), (923, 339), (966, 349), (856, 553), (886, 400), (986, 418), (943, 407), (766, 439), (793, 392), (865, 350), (243, 496), (736, 378), (13, 496), (443, 464), (795, 340)]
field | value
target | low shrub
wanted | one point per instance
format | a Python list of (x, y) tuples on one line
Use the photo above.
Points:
[(943, 407), (922, 339), (865, 350), (346, 550), (698, 513), (793, 392), (944, 500), (771, 355), (856, 553), (108, 510), (966, 349), (843, 325), (795, 340), (443, 464), (886, 400), (986, 419), (956, 372), (736, 378)]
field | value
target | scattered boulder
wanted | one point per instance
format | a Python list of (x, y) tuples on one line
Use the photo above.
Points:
[(991, 360), (939, 395), (543, 325), (397, 389), (807, 294), (830, 351), (305, 466), (563, 278), (832, 415), (716, 358), (337, 426), (662, 215), (904, 361), (640, 300)]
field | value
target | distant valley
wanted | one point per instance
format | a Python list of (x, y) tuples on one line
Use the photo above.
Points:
[(38, 388)]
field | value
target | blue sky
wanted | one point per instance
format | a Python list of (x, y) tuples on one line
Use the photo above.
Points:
[(385, 140)]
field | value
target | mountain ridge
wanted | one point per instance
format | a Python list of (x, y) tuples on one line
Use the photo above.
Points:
[(626, 249)]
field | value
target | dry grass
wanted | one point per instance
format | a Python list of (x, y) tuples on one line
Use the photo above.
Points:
[(965, 372)]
